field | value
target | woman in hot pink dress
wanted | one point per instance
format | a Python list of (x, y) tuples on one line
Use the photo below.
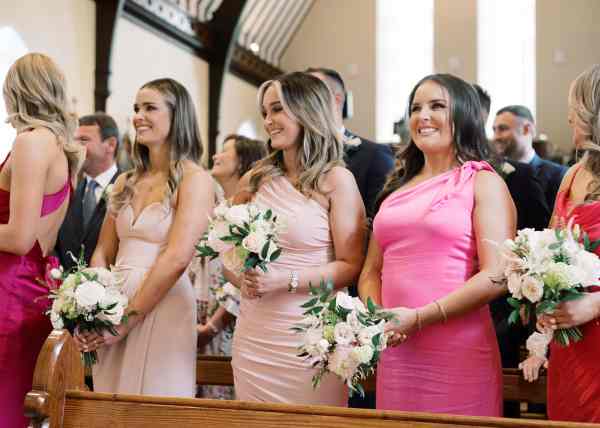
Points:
[(573, 371), (431, 261), (303, 181), (35, 183)]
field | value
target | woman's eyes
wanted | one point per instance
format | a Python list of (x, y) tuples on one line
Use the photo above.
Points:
[(434, 106)]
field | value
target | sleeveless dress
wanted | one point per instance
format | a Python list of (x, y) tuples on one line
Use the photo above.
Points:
[(23, 325), (265, 363), (158, 356), (573, 371), (429, 250)]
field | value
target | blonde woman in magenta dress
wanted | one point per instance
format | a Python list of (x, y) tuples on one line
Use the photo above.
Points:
[(430, 262), (302, 181), (158, 211)]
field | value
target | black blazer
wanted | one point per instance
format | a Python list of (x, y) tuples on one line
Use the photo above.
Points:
[(370, 164), (550, 175), (72, 235)]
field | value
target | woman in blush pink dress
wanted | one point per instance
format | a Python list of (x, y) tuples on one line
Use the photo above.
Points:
[(430, 260), (35, 184), (304, 182)]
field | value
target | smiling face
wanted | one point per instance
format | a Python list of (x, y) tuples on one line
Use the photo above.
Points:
[(282, 129), (226, 163), (429, 122), (152, 119)]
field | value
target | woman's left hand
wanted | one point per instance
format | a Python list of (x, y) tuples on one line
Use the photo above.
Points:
[(256, 283), (107, 338), (573, 313), (402, 326)]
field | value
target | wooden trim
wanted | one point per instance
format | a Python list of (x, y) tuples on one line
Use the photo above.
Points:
[(251, 68)]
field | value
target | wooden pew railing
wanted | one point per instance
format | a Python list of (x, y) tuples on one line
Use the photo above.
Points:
[(212, 370), (59, 399)]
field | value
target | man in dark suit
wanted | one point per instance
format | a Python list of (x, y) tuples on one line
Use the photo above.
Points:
[(369, 162), (99, 134), (514, 129)]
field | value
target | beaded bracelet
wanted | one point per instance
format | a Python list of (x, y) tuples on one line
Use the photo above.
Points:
[(441, 309)]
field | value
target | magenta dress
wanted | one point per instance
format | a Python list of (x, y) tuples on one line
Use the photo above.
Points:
[(23, 325), (429, 250), (266, 367), (573, 371)]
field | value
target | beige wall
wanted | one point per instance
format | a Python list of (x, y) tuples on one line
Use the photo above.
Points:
[(340, 34), (64, 30), (570, 27), (455, 38)]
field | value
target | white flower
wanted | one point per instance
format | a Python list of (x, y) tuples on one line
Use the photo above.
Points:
[(343, 334), (537, 343), (589, 263), (238, 215), (363, 354), (514, 285), (217, 231), (56, 320), (353, 142), (341, 363), (311, 321), (507, 168), (532, 288), (89, 293), (107, 192), (103, 275), (221, 209), (114, 315), (322, 348), (365, 336), (56, 273), (353, 322), (344, 300), (70, 282), (254, 242), (234, 259), (359, 305)]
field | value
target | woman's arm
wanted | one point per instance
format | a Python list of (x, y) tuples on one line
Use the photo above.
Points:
[(30, 161), (194, 204), (563, 186), (369, 283), (494, 221), (348, 229)]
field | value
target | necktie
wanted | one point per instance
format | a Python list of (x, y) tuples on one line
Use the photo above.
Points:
[(89, 201)]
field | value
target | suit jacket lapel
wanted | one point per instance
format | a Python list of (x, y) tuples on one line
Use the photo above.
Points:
[(98, 216)]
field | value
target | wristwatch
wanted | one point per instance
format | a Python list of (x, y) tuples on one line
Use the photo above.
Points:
[(293, 283)]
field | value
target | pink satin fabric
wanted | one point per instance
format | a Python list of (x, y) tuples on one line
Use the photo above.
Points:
[(574, 371), (429, 250), (23, 325), (265, 363)]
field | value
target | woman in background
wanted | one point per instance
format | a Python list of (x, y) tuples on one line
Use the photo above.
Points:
[(35, 183)]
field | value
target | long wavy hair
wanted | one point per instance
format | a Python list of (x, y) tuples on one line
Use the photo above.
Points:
[(248, 151), (468, 133), (183, 140), (585, 104), (35, 93), (308, 101)]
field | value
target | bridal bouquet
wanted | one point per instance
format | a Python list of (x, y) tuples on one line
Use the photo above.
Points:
[(244, 236), (342, 336), (545, 268), (86, 298)]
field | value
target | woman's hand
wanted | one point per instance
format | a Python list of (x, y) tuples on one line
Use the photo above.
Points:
[(402, 326), (572, 313), (256, 283), (205, 334), (88, 341), (531, 367)]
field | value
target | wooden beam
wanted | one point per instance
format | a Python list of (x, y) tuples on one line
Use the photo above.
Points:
[(107, 14)]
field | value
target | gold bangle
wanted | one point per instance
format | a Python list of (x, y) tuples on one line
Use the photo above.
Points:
[(441, 309), (419, 326)]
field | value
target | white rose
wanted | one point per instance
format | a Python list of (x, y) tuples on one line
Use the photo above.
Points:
[(234, 259), (365, 336), (254, 242), (56, 273), (114, 315), (238, 215), (322, 348), (359, 305), (537, 343), (515, 285), (363, 354), (103, 275), (589, 263), (343, 334), (532, 289), (56, 320), (221, 209), (353, 322), (89, 293), (310, 320), (344, 300), (341, 363)]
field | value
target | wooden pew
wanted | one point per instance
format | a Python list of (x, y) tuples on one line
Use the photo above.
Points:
[(211, 370), (58, 397)]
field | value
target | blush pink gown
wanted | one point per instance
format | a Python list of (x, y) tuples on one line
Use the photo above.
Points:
[(265, 363), (23, 325), (429, 250)]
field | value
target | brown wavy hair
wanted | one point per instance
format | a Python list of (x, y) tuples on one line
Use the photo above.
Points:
[(248, 151)]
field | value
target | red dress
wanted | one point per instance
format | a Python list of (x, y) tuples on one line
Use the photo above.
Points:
[(574, 371), (23, 325)]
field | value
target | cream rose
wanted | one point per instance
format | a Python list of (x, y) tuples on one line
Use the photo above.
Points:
[(532, 289), (89, 293)]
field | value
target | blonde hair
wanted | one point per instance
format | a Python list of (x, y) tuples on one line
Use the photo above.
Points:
[(35, 93), (308, 101), (183, 140), (585, 103)]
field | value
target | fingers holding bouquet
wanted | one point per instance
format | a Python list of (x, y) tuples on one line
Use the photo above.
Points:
[(404, 324), (572, 313), (256, 283)]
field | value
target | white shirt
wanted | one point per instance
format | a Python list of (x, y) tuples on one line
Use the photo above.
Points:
[(103, 180)]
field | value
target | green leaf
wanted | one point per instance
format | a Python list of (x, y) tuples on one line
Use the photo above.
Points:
[(545, 307), (371, 306), (275, 255), (310, 303), (515, 303), (514, 317), (268, 214)]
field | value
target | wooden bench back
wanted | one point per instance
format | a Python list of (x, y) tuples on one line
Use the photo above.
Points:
[(59, 397)]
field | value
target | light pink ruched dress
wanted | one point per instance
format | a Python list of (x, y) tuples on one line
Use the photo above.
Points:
[(265, 363), (429, 250)]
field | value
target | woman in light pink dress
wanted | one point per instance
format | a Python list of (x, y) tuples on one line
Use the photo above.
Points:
[(304, 182), (158, 211), (431, 259)]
